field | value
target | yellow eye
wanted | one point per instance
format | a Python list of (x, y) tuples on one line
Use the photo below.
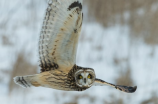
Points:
[(80, 77), (89, 76)]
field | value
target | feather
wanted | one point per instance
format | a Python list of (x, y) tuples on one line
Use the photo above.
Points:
[(59, 34), (128, 89), (27, 81)]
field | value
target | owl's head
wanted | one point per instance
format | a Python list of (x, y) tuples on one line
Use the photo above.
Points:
[(85, 77)]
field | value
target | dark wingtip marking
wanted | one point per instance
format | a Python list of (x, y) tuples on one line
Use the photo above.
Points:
[(126, 88), (75, 4), (134, 89), (131, 89), (20, 80), (25, 82)]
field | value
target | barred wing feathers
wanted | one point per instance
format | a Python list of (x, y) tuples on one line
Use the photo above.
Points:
[(59, 34)]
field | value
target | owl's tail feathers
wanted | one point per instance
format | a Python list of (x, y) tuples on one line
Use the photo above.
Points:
[(26, 81)]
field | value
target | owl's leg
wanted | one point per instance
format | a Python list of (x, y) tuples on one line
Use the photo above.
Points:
[(127, 89)]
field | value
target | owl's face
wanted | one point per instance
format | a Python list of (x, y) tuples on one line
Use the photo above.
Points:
[(85, 77)]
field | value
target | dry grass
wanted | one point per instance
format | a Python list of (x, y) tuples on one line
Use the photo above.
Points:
[(124, 78), (152, 100), (6, 41), (140, 15), (92, 99), (75, 98), (115, 101), (4, 72)]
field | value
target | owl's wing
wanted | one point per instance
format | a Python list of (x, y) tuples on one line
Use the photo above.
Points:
[(128, 89), (59, 34)]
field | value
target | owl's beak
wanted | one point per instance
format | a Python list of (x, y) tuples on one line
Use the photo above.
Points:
[(84, 80)]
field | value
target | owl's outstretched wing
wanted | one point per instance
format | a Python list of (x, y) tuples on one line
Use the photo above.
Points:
[(128, 89), (59, 34)]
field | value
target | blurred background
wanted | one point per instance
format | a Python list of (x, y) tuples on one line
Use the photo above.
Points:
[(119, 40)]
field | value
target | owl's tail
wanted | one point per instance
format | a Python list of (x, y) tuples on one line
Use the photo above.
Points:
[(27, 81)]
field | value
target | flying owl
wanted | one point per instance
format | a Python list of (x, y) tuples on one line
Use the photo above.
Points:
[(57, 52)]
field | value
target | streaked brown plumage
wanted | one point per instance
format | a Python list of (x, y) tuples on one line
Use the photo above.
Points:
[(57, 51)]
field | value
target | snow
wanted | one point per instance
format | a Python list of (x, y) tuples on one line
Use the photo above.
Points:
[(97, 49)]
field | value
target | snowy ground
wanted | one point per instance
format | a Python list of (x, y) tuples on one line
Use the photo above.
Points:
[(98, 47)]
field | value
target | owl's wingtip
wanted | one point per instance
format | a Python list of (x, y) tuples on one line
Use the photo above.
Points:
[(127, 89), (20, 81), (131, 89), (134, 88)]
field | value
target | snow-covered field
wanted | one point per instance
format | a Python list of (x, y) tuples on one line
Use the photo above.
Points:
[(98, 48)]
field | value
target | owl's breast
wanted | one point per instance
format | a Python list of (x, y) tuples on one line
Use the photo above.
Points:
[(59, 80)]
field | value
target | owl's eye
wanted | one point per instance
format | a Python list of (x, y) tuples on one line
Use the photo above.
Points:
[(80, 77), (89, 76)]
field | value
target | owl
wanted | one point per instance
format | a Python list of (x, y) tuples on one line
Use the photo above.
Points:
[(57, 52)]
